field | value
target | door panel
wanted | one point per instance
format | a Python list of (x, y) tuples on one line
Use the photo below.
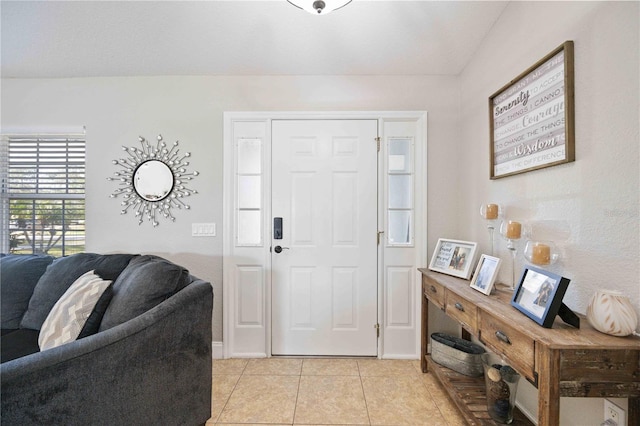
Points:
[(324, 281)]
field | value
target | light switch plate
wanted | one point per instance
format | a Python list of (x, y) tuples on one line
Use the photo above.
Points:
[(203, 229)]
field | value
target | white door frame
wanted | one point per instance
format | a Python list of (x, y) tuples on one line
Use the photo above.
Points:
[(247, 319)]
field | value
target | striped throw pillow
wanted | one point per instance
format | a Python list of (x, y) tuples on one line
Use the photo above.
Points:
[(71, 311)]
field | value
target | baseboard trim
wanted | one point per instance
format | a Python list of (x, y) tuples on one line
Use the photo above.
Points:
[(217, 350), (249, 355), (400, 356)]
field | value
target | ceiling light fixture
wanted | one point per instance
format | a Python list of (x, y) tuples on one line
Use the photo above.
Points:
[(319, 7)]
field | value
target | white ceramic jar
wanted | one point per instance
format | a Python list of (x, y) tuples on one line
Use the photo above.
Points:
[(611, 312)]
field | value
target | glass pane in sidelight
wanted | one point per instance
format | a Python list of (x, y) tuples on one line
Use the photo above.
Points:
[(249, 156), (249, 231), (400, 227), (400, 156), (400, 190), (249, 192)]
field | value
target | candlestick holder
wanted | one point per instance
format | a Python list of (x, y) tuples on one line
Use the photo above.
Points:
[(512, 231), (541, 253), (491, 213)]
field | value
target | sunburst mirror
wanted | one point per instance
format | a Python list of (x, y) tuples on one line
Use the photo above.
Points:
[(153, 180)]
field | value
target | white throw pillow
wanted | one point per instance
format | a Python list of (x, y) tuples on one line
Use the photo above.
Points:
[(66, 319)]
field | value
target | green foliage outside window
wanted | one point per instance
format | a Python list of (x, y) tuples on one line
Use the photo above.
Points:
[(54, 227)]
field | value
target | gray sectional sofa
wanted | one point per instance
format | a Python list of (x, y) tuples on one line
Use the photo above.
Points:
[(142, 358)]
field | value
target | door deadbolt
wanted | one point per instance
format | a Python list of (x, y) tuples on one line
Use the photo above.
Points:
[(277, 228)]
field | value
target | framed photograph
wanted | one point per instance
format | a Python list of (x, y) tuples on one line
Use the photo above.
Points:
[(539, 295), (485, 273), (454, 257), (532, 118)]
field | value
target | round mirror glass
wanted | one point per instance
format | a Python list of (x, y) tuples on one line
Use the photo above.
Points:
[(153, 180)]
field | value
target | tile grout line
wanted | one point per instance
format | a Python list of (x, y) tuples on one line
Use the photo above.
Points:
[(364, 395), (295, 405), (230, 393)]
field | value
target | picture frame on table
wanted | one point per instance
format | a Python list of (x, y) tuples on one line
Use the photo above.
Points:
[(485, 273), (532, 118), (454, 257), (539, 295)]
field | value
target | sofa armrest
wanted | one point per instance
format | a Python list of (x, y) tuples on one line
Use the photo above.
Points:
[(153, 369)]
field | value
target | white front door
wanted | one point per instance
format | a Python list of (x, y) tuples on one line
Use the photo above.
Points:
[(324, 280)]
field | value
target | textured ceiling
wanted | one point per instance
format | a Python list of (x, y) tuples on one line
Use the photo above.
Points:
[(268, 37)]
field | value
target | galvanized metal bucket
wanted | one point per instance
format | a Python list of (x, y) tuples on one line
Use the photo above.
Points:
[(457, 354)]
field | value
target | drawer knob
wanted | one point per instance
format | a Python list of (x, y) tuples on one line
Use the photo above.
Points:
[(501, 336), (433, 289), (459, 306)]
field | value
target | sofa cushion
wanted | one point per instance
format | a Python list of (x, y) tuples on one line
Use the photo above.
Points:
[(93, 322), (19, 274), (68, 316), (19, 343), (61, 274), (145, 282)]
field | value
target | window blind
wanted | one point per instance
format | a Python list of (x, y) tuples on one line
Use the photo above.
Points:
[(43, 194), (46, 167)]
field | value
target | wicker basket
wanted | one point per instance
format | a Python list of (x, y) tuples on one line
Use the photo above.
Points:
[(457, 354)]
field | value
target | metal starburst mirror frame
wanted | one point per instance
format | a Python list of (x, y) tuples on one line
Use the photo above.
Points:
[(130, 179)]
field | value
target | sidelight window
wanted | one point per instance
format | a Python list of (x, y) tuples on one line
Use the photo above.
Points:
[(249, 179), (400, 181)]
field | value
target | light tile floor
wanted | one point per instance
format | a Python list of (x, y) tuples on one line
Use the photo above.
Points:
[(285, 391)]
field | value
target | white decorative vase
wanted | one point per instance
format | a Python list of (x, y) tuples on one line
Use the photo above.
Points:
[(611, 312)]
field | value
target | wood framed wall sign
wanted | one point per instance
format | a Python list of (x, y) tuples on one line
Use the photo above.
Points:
[(532, 118)]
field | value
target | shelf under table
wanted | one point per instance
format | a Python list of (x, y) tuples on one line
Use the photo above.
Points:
[(469, 395)]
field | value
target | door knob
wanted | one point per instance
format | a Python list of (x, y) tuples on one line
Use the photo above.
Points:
[(278, 249)]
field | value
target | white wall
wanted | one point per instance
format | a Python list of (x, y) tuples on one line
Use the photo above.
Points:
[(590, 207), (116, 111)]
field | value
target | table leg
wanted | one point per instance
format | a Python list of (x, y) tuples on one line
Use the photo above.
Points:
[(424, 331), (549, 388), (634, 411)]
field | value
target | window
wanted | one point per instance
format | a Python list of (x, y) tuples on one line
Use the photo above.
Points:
[(43, 194), (400, 191), (249, 192)]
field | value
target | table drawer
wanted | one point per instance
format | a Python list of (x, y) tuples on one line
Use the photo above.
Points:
[(434, 291), (516, 347), (463, 311)]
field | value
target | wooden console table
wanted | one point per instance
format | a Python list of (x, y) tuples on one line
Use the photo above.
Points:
[(561, 361)]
